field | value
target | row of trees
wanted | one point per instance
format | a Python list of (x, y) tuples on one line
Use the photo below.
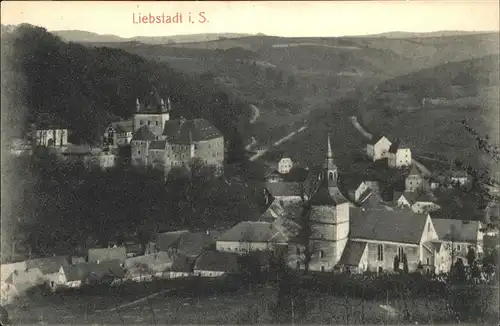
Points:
[(59, 206)]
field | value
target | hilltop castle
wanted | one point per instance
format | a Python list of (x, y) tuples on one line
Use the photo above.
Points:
[(163, 143)]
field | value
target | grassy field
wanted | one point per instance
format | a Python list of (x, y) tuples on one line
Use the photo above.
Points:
[(231, 308)]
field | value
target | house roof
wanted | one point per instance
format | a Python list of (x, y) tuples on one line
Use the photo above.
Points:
[(272, 212), (157, 262), (169, 240), (48, 265), (182, 264), (456, 230), (158, 144), (184, 132), (123, 126), (254, 232), (27, 276), (81, 271), (414, 171), (104, 254), (373, 199), (217, 261), (192, 244), (352, 253), (144, 134), (376, 140), (385, 225), (284, 189), (426, 196), (76, 272)]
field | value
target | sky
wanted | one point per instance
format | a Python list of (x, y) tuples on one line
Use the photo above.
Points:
[(284, 18)]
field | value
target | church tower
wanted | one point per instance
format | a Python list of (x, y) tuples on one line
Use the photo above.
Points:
[(329, 217)]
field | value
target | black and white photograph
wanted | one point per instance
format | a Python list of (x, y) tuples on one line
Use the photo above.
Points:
[(250, 163)]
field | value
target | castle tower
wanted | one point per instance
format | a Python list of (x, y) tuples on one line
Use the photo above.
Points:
[(329, 218), (153, 114)]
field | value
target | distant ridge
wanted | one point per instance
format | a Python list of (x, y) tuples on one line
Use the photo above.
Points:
[(398, 34), (84, 36)]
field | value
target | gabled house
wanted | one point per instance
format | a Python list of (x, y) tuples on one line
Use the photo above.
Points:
[(216, 264), (23, 280), (98, 255), (119, 133), (367, 195), (388, 234), (379, 149), (415, 181), (459, 234), (419, 202), (284, 192), (148, 266), (285, 165), (399, 156), (251, 236), (74, 276), (49, 266), (167, 241), (274, 176)]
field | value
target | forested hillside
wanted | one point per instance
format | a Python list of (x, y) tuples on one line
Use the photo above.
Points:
[(85, 88)]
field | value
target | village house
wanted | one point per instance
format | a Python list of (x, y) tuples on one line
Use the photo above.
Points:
[(285, 192), (415, 181), (102, 160), (251, 236), (285, 165), (491, 218), (20, 146), (216, 264), (22, 280), (167, 242), (378, 236), (157, 265), (49, 266), (459, 235), (51, 136), (118, 133), (379, 150), (98, 255), (274, 176), (399, 156), (419, 202), (74, 276), (367, 195), (162, 143)]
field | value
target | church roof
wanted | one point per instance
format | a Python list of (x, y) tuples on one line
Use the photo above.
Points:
[(143, 133), (385, 225), (351, 256), (183, 132)]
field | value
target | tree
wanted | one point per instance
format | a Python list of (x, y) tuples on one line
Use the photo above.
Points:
[(405, 264), (471, 256), (396, 263)]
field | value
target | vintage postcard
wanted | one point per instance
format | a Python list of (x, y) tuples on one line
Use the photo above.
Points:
[(222, 163)]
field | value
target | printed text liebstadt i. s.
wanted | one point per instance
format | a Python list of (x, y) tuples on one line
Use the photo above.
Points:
[(176, 18)]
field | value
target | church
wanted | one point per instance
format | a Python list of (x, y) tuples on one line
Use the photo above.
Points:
[(344, 235), (164, 143)]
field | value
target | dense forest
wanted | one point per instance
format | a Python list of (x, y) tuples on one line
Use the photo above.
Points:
[(86, 88)]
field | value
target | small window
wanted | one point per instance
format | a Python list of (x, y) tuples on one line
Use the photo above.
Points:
[(321, 254), (297, 251), (427, 261), (322, 268), (149, 122), (138, 152), (141, 122), (459, 247), (157, 123)]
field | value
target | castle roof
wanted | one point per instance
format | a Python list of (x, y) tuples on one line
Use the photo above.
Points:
[(385, 225), (153, 104), (183, 132), (158, 144), (144, 134), (123, 126)]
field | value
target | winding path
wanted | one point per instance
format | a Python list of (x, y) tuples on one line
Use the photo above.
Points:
[(277, 143), (256, 113)]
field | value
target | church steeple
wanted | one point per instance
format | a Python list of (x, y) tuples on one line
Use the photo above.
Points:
[(330, 171)]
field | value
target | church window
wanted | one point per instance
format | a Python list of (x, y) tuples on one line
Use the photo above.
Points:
[(380, 252), (157, 123), (331, 175), (400, 253), (149, 122), (141, 122), (321, 254), (322, 268)]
